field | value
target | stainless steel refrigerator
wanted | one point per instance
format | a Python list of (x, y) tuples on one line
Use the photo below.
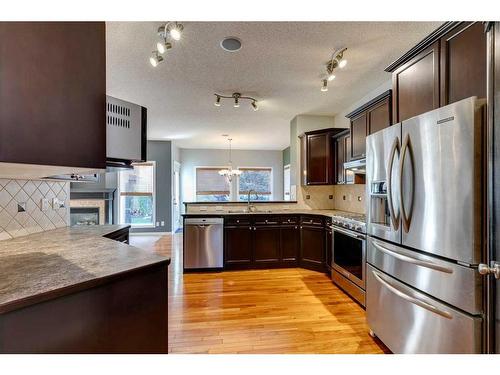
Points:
[(425, 183)]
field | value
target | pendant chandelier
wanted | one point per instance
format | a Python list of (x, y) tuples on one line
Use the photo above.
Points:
[(229, 172)]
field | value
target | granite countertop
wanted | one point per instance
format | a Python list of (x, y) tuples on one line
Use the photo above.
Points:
[(327, 213), (40, 266)]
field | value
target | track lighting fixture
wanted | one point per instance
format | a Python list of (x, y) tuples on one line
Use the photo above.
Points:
[(337, 61), (236, 97), (155, 59), (175, 30), (172, 30), (325, 85)]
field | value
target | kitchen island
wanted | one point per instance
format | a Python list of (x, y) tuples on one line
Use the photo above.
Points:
[(72, 290)]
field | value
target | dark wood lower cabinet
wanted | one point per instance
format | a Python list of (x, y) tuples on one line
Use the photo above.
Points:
[(260, 241), (266, 247), (290, 245), (127, 313), (238, 247), (312, 247)]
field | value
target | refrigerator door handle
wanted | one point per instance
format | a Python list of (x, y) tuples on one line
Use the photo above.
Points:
[(395, 219), (411, 299), (406, 216), (409, 259)]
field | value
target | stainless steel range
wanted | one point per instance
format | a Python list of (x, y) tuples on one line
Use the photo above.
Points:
[(349, 254)]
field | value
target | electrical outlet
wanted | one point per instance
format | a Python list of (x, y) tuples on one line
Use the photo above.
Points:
[(218, 208), (360, 198), (157, 223), (44, 204), (56, 203), (308, 196), (21, 207), (344, 197), (162, 223), (330, 197)]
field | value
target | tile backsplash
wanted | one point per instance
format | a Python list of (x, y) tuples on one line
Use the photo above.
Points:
[(16, 195)]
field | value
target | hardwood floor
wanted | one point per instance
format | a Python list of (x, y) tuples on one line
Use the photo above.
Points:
[(263, 311)]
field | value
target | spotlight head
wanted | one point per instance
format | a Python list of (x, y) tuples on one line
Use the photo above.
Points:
[(331, 76), (155, 59), (163, 46), (217, 101), (342, 63), (236, 102), (325, 86), (175, 30), (254, 106)]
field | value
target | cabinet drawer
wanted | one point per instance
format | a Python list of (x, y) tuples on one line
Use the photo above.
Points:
[(237, 221), (311, 220), (267, 220), (394, 310), (431, 275), (290, 220)]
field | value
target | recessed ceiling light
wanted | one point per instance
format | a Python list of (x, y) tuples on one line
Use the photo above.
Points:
[(231, 44)]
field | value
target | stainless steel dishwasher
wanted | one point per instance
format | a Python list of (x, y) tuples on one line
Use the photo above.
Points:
[(203, 243)]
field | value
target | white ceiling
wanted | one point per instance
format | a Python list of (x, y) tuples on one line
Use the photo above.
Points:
[(280, 64)]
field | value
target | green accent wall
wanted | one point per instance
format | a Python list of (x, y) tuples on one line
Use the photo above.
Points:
[(286, 156)]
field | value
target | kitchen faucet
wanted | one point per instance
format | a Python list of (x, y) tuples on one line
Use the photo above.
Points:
[(251, 208)]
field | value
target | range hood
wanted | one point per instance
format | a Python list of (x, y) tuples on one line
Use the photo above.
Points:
[(356, 166)]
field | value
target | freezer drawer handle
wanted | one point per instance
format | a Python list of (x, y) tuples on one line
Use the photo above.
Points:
[(411, 299), (409, 259)]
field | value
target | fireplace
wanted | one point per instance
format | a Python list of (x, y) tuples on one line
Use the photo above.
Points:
[(91, 207)]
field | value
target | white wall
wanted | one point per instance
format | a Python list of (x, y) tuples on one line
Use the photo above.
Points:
[(192, 158), (342, 122), (299, 125)]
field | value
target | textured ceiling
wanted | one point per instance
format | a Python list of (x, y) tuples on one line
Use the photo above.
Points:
[(280, 64)]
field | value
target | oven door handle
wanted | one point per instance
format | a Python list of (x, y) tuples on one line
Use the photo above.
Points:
[(349, 233), (409, 259), (411, 299)]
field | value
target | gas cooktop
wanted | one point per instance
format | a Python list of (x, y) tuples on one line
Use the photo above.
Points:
[(350, 220)]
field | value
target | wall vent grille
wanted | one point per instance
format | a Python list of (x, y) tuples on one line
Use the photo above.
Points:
[(118, 115)]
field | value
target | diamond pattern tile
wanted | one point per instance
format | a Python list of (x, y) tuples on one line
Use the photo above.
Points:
[(16, 224)]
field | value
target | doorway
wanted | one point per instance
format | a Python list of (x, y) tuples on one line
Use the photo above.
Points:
[(176, 204)]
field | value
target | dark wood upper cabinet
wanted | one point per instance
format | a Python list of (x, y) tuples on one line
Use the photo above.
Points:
[(416, 85), (358, 136), (53, 93), (340, 152), (369, 118), (379, 117), (318, 157), (446, 66), (463, 63)]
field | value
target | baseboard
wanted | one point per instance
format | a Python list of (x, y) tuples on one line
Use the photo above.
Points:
[(149, 233)]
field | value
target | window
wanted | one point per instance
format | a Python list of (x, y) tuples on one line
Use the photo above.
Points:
[(211, 186), (137, 196), (257, 180)]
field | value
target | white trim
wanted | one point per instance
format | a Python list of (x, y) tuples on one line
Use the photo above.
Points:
[(141, 226)]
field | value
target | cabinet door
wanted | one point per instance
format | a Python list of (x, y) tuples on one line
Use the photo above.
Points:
[(348, 175), (312, 248), (53, 93), (318, 159), (379, 117), (290, 244), (266, 247), (340, 158), (358, 136), (463, 63), (238, 247), (416, 85)]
